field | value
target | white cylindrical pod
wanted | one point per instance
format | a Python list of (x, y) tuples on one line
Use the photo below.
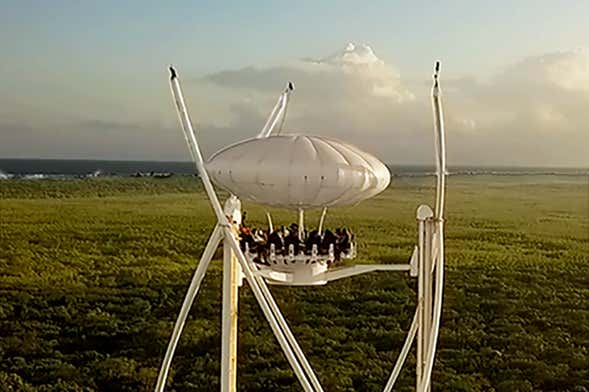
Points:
[(297, 171)]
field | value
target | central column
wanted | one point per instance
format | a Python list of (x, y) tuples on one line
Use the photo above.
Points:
[(231, 283), (229, 325)]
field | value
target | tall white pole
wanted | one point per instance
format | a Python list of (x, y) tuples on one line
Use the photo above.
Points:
[(216, 237), (224, 229), (428, 274), (231, 283), (192, 141), (420, 318), (278, 111), (229, 323), (428, 279), (440, 139), (438, 230)]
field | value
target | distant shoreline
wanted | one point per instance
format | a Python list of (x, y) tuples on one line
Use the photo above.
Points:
[(74, 168)]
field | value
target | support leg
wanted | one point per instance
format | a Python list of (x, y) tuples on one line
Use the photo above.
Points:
[(437, 307), (426, 279), (424, 215), (421, 335), (428, 276), (437, 257), (289, 336), (402, 355), (199, 274)]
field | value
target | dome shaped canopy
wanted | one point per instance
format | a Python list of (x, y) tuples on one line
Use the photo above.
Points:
[(298, 172)]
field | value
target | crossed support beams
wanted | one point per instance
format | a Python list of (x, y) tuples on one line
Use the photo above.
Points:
[(427, 264), (225, 231), (289, 345)]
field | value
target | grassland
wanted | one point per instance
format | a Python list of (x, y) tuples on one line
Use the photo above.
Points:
[(93, 272)]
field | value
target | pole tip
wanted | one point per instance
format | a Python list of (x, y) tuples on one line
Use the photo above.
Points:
[(290, 86), (436, 72), (173, 74)]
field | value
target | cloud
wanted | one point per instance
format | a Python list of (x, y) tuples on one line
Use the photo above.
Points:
[(350, 95), (356, 69), (532, 112)]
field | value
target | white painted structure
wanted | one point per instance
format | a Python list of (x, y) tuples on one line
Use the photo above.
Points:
[(250, 170), (298, 172)]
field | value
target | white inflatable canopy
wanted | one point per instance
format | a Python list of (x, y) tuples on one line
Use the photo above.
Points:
[(297, 171)]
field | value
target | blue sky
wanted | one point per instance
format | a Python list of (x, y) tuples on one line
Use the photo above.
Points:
[(473, 34), (66, 63)]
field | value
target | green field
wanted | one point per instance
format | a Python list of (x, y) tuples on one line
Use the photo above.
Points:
[(93, 273)]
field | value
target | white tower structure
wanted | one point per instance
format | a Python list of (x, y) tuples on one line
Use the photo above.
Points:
[(343, 175)]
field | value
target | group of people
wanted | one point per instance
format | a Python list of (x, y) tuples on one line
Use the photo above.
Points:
[(284, 240)]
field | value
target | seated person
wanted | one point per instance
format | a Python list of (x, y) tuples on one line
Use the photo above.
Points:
[(343, 240), (328, 239), (292, 239), (313, 239), (245, 237), (276, 238), (260, 236)]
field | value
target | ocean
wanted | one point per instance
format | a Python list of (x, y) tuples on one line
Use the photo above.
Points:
[(66, 168)]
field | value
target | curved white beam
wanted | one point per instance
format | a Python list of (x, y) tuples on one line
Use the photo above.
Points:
[(438, 228), (215, 238), (437, 313), (278, 111), (190, 136), (223, 230), (199, 274), (288, 334), (440, 140), (402, 355)]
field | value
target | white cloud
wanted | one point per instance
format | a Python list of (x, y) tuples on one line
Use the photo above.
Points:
[(349, 95), (533, 112), (353, 55), (566, 70)]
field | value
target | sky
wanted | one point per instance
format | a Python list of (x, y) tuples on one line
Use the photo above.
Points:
[(88, 79)]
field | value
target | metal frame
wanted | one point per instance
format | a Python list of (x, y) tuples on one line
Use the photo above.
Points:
[(426, 263), (278, 111)]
